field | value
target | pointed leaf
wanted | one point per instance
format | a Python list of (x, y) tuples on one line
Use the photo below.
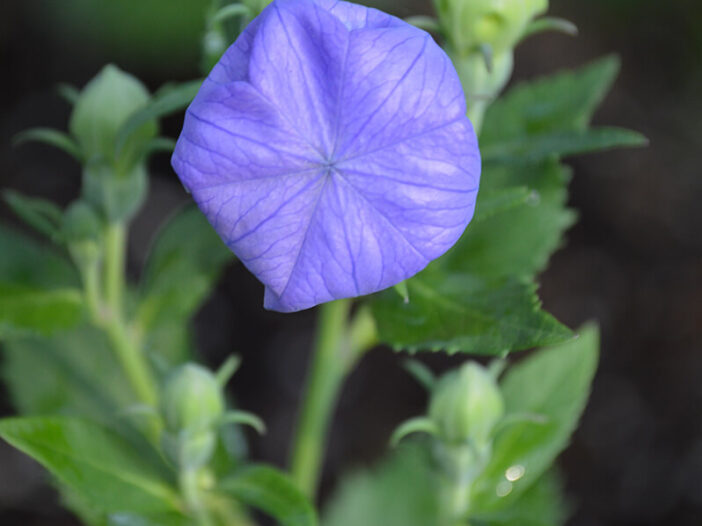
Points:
[(562, 144), (555, 383), (561, 102), (41, 214), (463, 313), (491, 202), (95, 463), (25, 311), (169, 100), (519, 240), (51, 137), (74, 373), (542, 504), (401, 491), (269, 490), (177, 279)]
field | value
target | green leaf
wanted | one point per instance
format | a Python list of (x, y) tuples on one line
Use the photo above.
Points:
[(73, 373), (68, 92), (561, 102), (179, 275), (51, 137), (542, 504), (548, 23), (94, 462), (561, 143), (519, 240), (401, 491), (43, 215), (25, 310), (460, 312), (491, 202), (550, 117), (269, 490), (169, 100), (552, 382), (162, 519)]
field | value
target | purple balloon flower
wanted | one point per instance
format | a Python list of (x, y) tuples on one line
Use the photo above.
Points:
[(330, 150)]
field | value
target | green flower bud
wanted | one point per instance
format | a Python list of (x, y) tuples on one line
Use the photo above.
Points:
[(117, 195), (499, 24), (466, 405), (192, 400), (104, 105)]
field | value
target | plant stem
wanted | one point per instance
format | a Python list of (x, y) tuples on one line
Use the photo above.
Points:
[(91, 287), (328, 369), (115, 259), (130, 356), (190, 490), (132, 361)]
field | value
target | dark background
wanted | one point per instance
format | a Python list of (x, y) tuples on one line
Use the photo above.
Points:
[(633, 262)]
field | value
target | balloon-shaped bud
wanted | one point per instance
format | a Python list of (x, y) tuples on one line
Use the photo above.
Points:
[(470, 24), (466, 405), (192, 400)]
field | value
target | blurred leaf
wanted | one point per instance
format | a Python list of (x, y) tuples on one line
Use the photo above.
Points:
[(561, 102), (548, 23), (51, 137), (269, 490), (542, 504), (162, 519), (160, 144), (169, 100), (43, 215), (401, 491), (68, 92), (25, 310), (25, 262), (94, 462), (561, 143), (73, 373), (460, 312), (552, 382), (519, 240), (493, 202), (183, 264)]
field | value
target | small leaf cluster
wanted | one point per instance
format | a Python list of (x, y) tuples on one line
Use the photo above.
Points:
[(515, 484)]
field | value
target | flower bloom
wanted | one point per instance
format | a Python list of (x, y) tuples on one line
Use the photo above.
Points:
[(330, 150)]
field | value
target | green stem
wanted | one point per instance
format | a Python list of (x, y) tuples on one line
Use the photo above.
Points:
[(458, 503), (132, 360), (115, 259), (91, 286), (328, 369), (129, 354), (190, 489)]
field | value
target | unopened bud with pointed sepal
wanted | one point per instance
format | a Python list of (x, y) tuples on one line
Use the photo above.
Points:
[(103, 107), (499, 24), (192, 399), (193, 410), (466, 405)]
